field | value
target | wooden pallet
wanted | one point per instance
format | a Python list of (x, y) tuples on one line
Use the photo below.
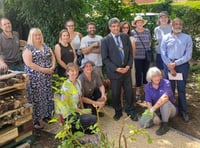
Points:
[(16, 114), (12, 88), (8, 134), (30, 139), (25, 114), (16, 134), (23, 120)]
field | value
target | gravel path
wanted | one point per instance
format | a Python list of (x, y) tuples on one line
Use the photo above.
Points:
[(172, 139)]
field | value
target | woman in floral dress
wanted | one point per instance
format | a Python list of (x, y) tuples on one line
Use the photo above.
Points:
[(39, 65)]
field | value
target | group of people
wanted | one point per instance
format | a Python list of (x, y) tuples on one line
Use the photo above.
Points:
[(122, 51)]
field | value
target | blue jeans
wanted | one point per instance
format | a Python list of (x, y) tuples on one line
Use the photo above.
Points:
[(159, 62), (181, 85)]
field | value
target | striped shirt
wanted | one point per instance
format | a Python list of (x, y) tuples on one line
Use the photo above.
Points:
[(145, 36)]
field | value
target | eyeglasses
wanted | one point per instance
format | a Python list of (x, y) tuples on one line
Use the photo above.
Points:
[(125, 27)]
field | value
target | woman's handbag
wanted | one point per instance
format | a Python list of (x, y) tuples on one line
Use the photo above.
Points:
[(149, 55)]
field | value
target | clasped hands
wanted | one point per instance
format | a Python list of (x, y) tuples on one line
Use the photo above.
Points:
[(48, 70), (123, 70), (171, 67)]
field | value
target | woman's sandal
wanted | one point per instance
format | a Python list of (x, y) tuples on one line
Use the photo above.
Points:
[(37, 125)]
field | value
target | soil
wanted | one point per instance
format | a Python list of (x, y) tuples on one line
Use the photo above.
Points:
[(47, 140), (44, 139), (193, 101)]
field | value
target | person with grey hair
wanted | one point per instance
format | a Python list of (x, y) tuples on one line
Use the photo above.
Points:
[(176, 52), (116, 51), (160, 98)]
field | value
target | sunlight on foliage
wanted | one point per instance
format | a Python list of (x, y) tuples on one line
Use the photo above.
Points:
[(79, 139)]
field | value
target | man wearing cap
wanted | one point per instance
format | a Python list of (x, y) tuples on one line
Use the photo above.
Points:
[(160, 31), (116, 51), (176, 51), (93, 91), (90, 47), (9, 47)]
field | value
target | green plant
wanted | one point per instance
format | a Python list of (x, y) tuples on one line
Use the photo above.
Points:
[(72, 139), (133, 131), (195, 68), (198, 81)]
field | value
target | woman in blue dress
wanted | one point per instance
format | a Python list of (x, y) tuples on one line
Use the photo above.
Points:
[(39, 65)]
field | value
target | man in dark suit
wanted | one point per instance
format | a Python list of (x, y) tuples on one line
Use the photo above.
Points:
[(117, 54)]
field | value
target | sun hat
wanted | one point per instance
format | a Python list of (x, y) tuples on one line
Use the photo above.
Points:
[(138, 18), (163, 13), (85, 61)]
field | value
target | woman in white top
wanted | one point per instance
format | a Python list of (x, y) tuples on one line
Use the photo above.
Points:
[(75, 38)]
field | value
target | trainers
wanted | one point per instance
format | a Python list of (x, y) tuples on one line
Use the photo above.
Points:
[(185, 117), (164, 128)]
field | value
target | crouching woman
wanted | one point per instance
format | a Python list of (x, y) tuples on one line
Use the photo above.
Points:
[(72, 110), (160, 98)]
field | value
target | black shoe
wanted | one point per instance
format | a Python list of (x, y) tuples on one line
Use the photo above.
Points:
[(117, 116), (133, 117), (101, 114), (164, 128), (185, 117)]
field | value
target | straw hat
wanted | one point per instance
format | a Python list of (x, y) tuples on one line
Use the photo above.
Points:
[(138, 18)]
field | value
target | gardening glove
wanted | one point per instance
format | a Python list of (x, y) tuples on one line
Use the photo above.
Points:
[(146, 119)]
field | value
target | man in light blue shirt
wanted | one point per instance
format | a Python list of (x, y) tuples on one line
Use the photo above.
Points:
[(176, 51)]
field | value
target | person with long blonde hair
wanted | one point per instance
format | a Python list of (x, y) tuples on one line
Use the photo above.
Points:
[(39, 66)]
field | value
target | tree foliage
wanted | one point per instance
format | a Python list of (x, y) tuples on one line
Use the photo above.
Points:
[(48, 15)]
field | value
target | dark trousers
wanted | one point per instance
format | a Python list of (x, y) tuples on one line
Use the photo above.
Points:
[(86, 120), (116, 85), (181, 85), (17, 67), (95, 96), (141, 68)]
